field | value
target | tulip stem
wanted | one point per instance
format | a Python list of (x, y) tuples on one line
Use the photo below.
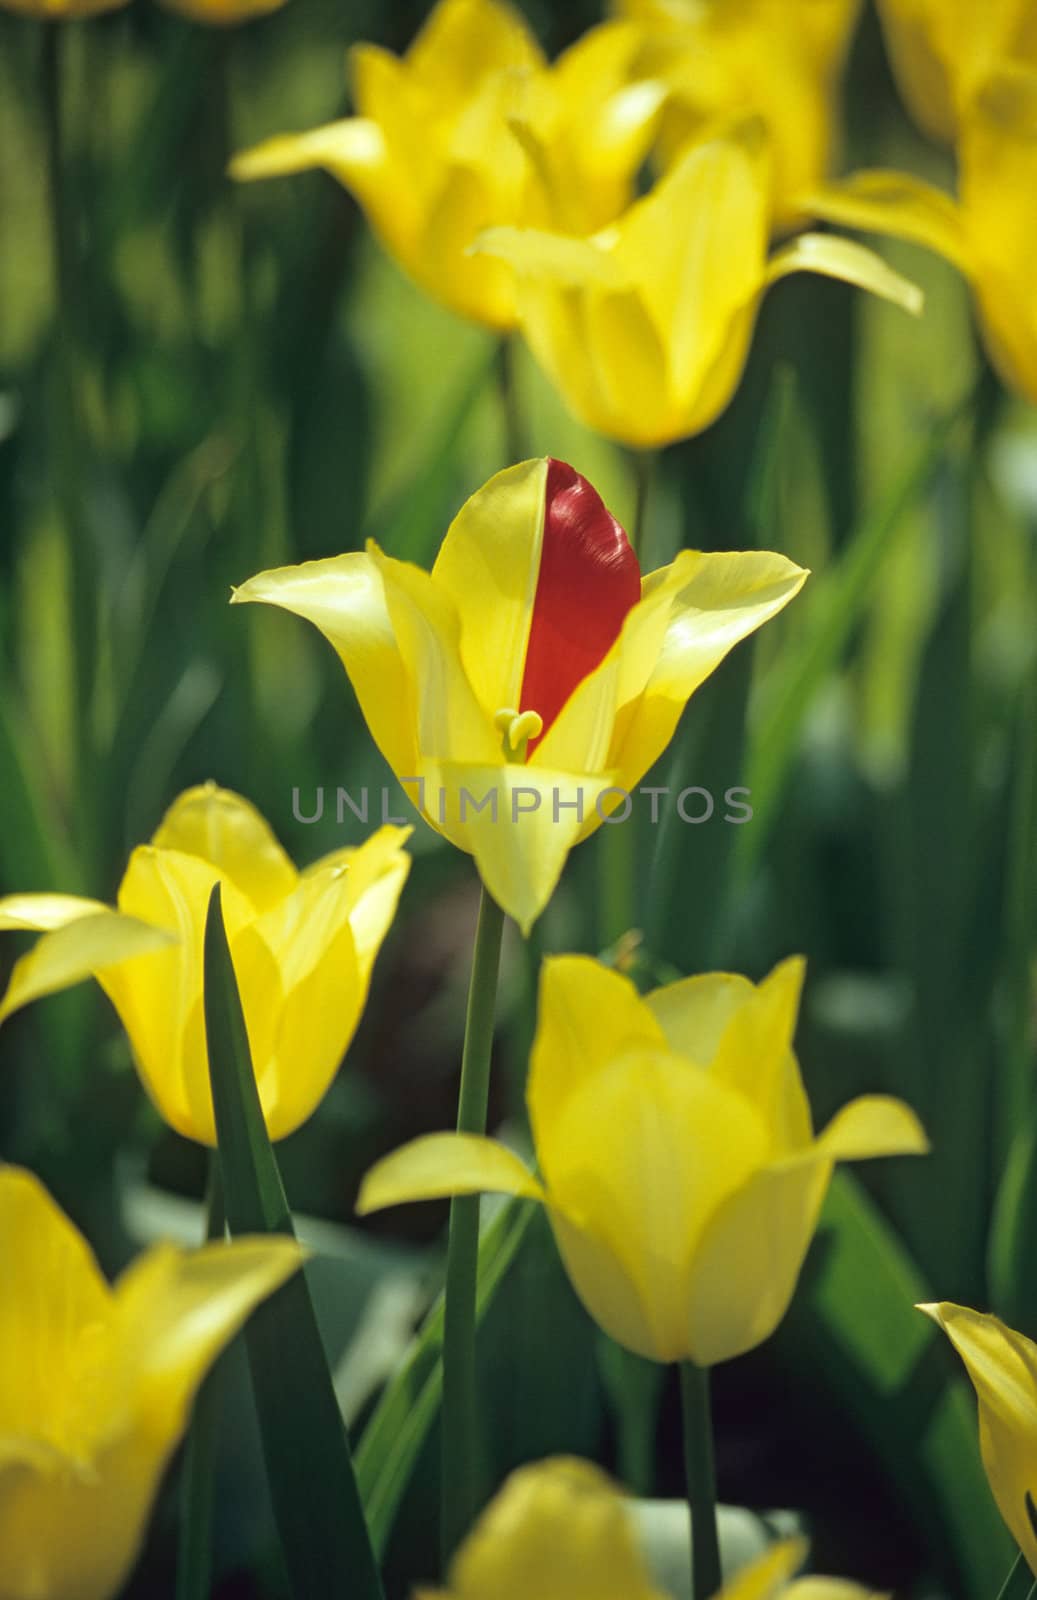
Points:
[(644, 462), (194, 1551), (701, 1479), (507, 388), (460, 1486)]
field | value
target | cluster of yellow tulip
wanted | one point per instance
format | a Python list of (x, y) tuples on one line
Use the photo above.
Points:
[(537, 674)]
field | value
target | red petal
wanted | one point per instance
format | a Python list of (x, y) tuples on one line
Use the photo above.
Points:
[(589, 579)]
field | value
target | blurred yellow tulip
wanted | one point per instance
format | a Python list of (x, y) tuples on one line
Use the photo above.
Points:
[(60, 10), (990, 234), (645, 327), (942, 50), (525, 685), (222, 13), (472, 129), (561, 1530), (96, 1385), (681, 1172), (1003, 1367), (303, 946), (777, 59)]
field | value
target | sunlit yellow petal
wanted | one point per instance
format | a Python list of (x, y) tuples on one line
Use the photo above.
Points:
[(345, 598), (1003, 1367), (440, 1164), (82, 948), (227, 832), (746, 1264), (465, 39), (718, 599), (874, 1125), (850, 263), (898, 204), (41, 912), (489, 563), (586, 1015)]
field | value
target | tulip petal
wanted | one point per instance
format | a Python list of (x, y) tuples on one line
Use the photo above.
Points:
[(227, 832), (464, 41), (41, 912), (442, 1164), (527, 821), (53, 1289), (177, 1309), (587, 1013), (850, 263), (642, 1156), (489, 564), (559, 1528), (554, 258), (85, 947), (895, 203), (345, 598), (694, 1012), (873, 1125), (744, 1270), (1003, 1367), (716, 600)]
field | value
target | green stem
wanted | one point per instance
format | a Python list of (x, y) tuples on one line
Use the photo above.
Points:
[(507, 388), (194, 1550), (701, 1479), (644, 464), (460, 1487)]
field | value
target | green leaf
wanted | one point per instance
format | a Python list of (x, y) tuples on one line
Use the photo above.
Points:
[(320, 1519), (399, 1426), (853, 1334)]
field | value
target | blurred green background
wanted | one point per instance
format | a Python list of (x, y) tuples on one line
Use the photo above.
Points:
[(238, 378)]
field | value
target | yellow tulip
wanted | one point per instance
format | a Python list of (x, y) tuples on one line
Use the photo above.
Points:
[(645, 327), (534, 625), (942, 50), (561, 1530), (778, 59), (990, 234), (1003, 1367), (96, 1385), (303, 946), (681, 1172), (473, 129), (223, 13)]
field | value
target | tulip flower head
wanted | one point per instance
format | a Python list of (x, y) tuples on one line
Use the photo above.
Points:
[(942, 50), (776, 59), (1003, 1367), (96, 1385), (303, 946), (644, 328), (528, 682), (471, 130), (561, 1530), (990, 234), (680, 1168)]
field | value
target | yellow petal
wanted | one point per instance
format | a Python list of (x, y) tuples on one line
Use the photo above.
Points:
[(850, 263), (747, 1263), (464, 40), (559, 1530), (1003, 1367), (440, 1164), (227, 832), (345, 598), (176, 1309), (41, 912), (694, 1012), (553, 257), (85, 947), (717, 600), (897, 204), (643, 1154), (912, 32), (519, 822), (489, 564), (587, 1014), (301, 1025), (874, 1125)]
